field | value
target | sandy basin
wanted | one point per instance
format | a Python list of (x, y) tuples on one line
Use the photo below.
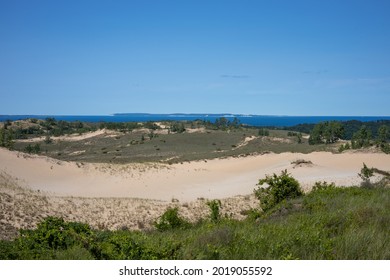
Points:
[(218, 178)]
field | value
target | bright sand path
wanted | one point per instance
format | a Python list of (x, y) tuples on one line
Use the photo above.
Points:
[(217, 178)]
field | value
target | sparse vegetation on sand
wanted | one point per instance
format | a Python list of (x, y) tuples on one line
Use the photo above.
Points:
[(327, 223), (168, 142), (173, 142)]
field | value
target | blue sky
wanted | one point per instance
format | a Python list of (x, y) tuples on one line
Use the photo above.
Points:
[(251, 57)]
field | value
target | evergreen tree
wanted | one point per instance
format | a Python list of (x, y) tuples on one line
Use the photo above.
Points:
[(361, 138), (383, 135)]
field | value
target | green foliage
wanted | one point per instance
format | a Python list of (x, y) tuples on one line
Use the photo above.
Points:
[(215, 206), (279, 188), (33, 149), (53, 237), (328, 223), (326, 132), (323, 186), (263, 132), (385, 148), (170, 220), (366, 173), (121, 126), (223, 123), (383, 135), (344, 147), (6, 138), (349, 127), (177, 127), (151, 125), (361, 138)]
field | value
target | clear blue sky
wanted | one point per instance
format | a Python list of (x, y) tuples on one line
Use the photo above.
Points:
[(271, 57)]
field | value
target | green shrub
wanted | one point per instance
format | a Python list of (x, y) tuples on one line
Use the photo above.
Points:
[(366, 173), (279, 188), (323, 186), (385, 148), (170, 220), (215, 205), (33, 149)]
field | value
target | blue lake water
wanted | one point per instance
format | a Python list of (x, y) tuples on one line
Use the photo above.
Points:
[(255, 120)]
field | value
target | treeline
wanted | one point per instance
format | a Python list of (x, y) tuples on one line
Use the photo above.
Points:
[(362, 137), (349, 128)]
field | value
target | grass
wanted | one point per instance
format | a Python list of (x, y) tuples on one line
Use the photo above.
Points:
[(328, 223)]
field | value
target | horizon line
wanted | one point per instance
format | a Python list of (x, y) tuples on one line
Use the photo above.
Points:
[(176, 113)]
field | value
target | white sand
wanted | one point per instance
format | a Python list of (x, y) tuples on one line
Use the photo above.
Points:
[(219, 178), (72, 137)]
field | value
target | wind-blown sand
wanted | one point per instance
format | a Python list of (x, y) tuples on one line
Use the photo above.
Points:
[(218, 178)]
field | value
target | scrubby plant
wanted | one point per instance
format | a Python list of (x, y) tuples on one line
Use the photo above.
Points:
[(366, 173), (323, 186), (279, 188), (170, 220), (215, 206), (33, 149), (344, 147)]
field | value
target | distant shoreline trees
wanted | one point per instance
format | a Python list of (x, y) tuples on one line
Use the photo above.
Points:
[(326, 132)]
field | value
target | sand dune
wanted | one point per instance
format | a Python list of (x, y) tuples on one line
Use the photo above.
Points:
[(218, 178)]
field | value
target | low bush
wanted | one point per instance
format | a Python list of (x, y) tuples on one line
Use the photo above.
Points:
[(171, 220), (279, 188)]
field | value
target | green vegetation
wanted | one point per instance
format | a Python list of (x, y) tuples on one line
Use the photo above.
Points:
[(171, 220), (264, 132), (326, 132), (177, 142), (361, 138), (327, 223), (33, 149), (349, 127), (279, 189), (6, 138), (215, 206), (362, 135), (167, 142)]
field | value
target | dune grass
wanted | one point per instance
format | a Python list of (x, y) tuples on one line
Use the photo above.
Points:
[(327, 223)]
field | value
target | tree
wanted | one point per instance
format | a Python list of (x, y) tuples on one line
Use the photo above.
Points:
[(221, 123), (383, 135), (326, 132), (361, 138), (235, 123), (6, 138), (263, 132)]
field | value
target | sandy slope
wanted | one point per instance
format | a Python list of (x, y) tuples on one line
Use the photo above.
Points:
[(217, 178)]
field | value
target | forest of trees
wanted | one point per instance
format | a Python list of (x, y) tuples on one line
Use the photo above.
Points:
[(361, 136)]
